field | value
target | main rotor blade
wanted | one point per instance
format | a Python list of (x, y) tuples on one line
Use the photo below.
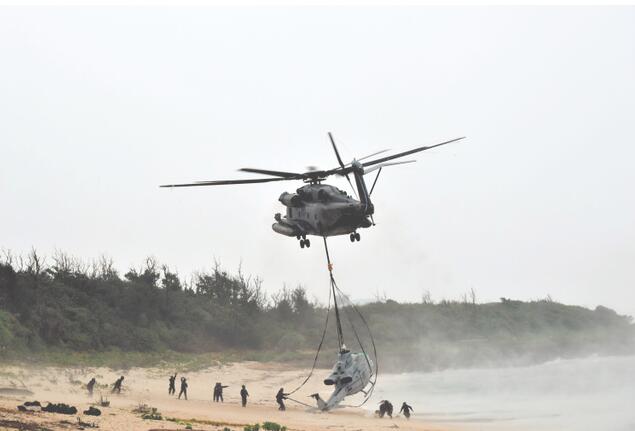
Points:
[(405, 153), (337, 154), (226, 182), (339, 159), (282, 174), (365, 157), (374, 168), (370, 155)]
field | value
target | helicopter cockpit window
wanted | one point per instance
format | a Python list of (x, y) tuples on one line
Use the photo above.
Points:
[(303, 195), (322, 196)]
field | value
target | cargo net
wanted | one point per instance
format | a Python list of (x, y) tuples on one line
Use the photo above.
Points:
[(355, 322)]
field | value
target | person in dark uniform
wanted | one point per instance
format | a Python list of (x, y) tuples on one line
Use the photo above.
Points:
[(172, 388), (90, 386), (218, 392), (117, 386), (406, 409), (385, 408), (243, 395), (183, 388), (215, 392), (280, 397)]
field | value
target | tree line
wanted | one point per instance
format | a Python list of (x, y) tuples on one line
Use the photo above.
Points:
[(64, 303)]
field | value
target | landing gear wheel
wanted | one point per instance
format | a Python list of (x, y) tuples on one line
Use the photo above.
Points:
[(352, 237), (357, 237), (301, 243), (297, 237), (307, 243)]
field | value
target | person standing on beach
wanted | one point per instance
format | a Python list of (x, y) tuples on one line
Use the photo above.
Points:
[(183, 388), (116, 387), (243, 395), (218, 392), (406, 409), (215, 394), (90, 386), (280, 397), (172, 388)]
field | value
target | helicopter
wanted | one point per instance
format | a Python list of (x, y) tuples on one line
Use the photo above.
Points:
[(322, 209), (350, 375)]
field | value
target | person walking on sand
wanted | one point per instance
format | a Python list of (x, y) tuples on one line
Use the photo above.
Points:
[(280, 397), (183, 388), (385, 408), (406, 409), (172, 388), (116, 387), (90, 386), (243, 395)]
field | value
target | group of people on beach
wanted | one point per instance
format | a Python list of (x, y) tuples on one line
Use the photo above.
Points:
[(386, 409), (217, 393), (116, 387), (385, 406), (172, 387)]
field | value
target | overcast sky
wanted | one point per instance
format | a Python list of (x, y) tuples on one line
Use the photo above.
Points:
[(99, 106)]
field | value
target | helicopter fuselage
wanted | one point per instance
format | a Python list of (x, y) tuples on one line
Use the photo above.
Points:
[(351, 374), (321, 210)]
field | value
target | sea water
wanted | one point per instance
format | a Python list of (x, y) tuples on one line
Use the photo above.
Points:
[(595, 393)]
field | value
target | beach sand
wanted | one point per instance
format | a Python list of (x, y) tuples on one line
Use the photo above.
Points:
[(149, 386)]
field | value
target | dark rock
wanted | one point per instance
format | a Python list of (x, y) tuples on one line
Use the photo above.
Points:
[(92, 411), (60, 408), (30, 406)]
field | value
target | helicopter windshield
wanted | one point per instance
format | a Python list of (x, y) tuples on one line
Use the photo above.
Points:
[(333, 194), (323, 193), (322, 196)]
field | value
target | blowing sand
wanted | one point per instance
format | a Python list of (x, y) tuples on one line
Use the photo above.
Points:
[(150, 386)]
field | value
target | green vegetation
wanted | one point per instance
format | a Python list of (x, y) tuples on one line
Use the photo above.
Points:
[(272, 426), (266, 426), (188, 423), (148, 413), (67, 312)]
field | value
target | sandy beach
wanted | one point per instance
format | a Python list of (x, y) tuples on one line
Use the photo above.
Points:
[(149, 386)]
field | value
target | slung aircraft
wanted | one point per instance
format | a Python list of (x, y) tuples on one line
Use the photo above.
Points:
[(321, 209), (351, 374)]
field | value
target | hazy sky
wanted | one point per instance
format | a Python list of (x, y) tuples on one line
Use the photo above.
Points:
[(99, 106)]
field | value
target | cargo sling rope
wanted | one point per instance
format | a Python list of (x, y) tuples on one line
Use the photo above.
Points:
[(376, 372), (333, 293), (317, 353)]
